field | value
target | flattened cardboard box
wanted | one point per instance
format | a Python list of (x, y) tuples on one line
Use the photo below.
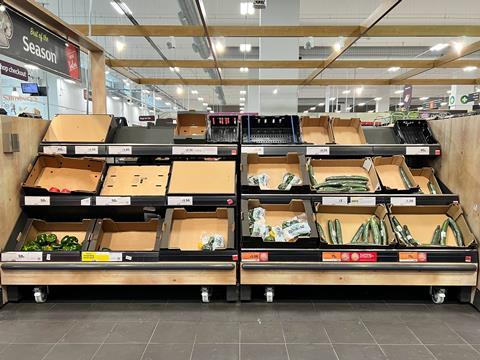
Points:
[(275, 167), (184, 230), (423, 219), (351, 217), (276, 214), (423, 176), (388, 170), (136, 180), (126, 236), (96, 128), (316, 131), (78, 175), (323, 168), (202, 177), (348, 132), (191, 127)]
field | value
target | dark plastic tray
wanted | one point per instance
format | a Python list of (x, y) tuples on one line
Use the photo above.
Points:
[(414, 132), (222, 129), (283, 129)]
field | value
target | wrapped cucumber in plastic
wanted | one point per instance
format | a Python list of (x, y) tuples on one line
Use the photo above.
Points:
[(212, 242), (260, 180), (288, 181), (295, 227)]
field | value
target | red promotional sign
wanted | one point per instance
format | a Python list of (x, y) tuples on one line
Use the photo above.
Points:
[(72, 61), (364, 256)]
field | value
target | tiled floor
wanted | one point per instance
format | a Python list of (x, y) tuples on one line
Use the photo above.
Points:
[(283, 330)]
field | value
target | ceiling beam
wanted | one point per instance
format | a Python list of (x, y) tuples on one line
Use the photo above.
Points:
[(290, 82), (285, 64), (378, 14), (280, 31), (442, 61)]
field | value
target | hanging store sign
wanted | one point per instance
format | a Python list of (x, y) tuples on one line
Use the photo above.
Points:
[(13, 71), (465, 99), (146, 118), (25, 40), (407, 96)]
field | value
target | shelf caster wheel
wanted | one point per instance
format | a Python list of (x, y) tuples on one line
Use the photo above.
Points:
[(269, 294), (40, 294), (438, 295), (206, 294)]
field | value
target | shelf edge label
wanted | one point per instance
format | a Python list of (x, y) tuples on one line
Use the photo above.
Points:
[(334, 200), (101, 256), (180, 200), (194, 150), (318, 150), (120, 150), (112, 200), (253, 150), (403, 201), (83, 149), (417, 150), (55, 150), (37, 200), (22, 256), (363, 200)]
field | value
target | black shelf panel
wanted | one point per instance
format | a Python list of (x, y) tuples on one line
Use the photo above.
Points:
[(346, 150), (115, 150)]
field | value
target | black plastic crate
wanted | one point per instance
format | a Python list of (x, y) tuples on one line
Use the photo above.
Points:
[(283, 129), (414, 132), (222, 129)]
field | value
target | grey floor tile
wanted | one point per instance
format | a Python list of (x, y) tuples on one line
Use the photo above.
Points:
[(457, 352), (215, 352), (350, 332), (305, 332), (259, 312), (414, 313), (469, 330), (117, 312), (394, 333), (120, 352), (131, 332), (218, 332), (70, 311), (435, 334), (94, 332), (182, 311), (264, 333), (336, 311), (311, 352), (26, 311), (25, 351), (229, 312), (168, 352), (455, 313), (263, 352), (41, 331), (359, 352), (72, 352), (296, 312), (410, 352), (174, 332), (9, 330), (379, 312)]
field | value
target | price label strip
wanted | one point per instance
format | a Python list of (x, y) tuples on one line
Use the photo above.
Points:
[(120, 150), (180, 200), (318, 150), (37, 200), (96, 256), (334, 200), (417, 150), (26, 256), (403, 201), (194, 150), (252, 150), (363, 200), (90, 150), (113, 200), (55, 149)]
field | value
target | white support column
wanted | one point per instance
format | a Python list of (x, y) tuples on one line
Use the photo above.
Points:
[(383, 105)]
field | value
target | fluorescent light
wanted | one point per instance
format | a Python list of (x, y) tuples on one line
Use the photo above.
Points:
[(470, 68), (242, 104), (117, 8), (312, 108), (205, 104), (349, 108), (346, 92), (275, 91), (194, 92), (174, 69), (121, 9), (242, 99), (359, 90), (219, 47), (423, 98), (31, 67), (242, 108), (305, 111), (458, 46), (398, 91), (439, 47), (107, 72), (321, 104), (158, 98), (244, 69), (179, 90), (443, 103), (211, 111), (175, 108), (371, 111), (241, 112), (115, 97), (243, 92), (245, 47), (145, 91), (393, 69), (449, 91), (246, 8), (401, 103), (377, 99), (200, 99), (420, 108), (332, 99), (168, 104), (338, 111), (2, 8), (120, 45), (70, 81), (209, 108), (361, 104)]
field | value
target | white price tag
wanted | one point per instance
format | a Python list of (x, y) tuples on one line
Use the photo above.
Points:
[(194, 150), (22, 256), (335, 200), (55, 149), (81, 149), (115, 256), (37, 200), (318, 150), (180, 200), (252, 150), (120, 150), (367, 164), (403, 201), (112, 200), (86, 202), (363, 200), (417, 150)]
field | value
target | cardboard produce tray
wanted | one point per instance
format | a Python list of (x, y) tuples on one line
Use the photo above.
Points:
[(183, 230), (316, 131), (95, 128), (275, 167), (137, 241), (388, 170), (423, 176), (78, 175), (275, 214), (423, 219), (191, 128), (351, 217), (348, 132), (323, 168), (202, 177), (136, 180)]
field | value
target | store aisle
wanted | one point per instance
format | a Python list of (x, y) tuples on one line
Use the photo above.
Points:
[(283, 330)]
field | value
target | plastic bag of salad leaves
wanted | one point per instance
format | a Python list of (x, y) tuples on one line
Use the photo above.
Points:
[(295, 227)]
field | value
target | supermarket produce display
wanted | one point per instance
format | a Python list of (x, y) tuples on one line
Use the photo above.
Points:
[(238, 201)]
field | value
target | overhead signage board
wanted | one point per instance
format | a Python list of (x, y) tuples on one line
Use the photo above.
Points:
[(25, 40), (146, 118), (465, 99), (13, 71)]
